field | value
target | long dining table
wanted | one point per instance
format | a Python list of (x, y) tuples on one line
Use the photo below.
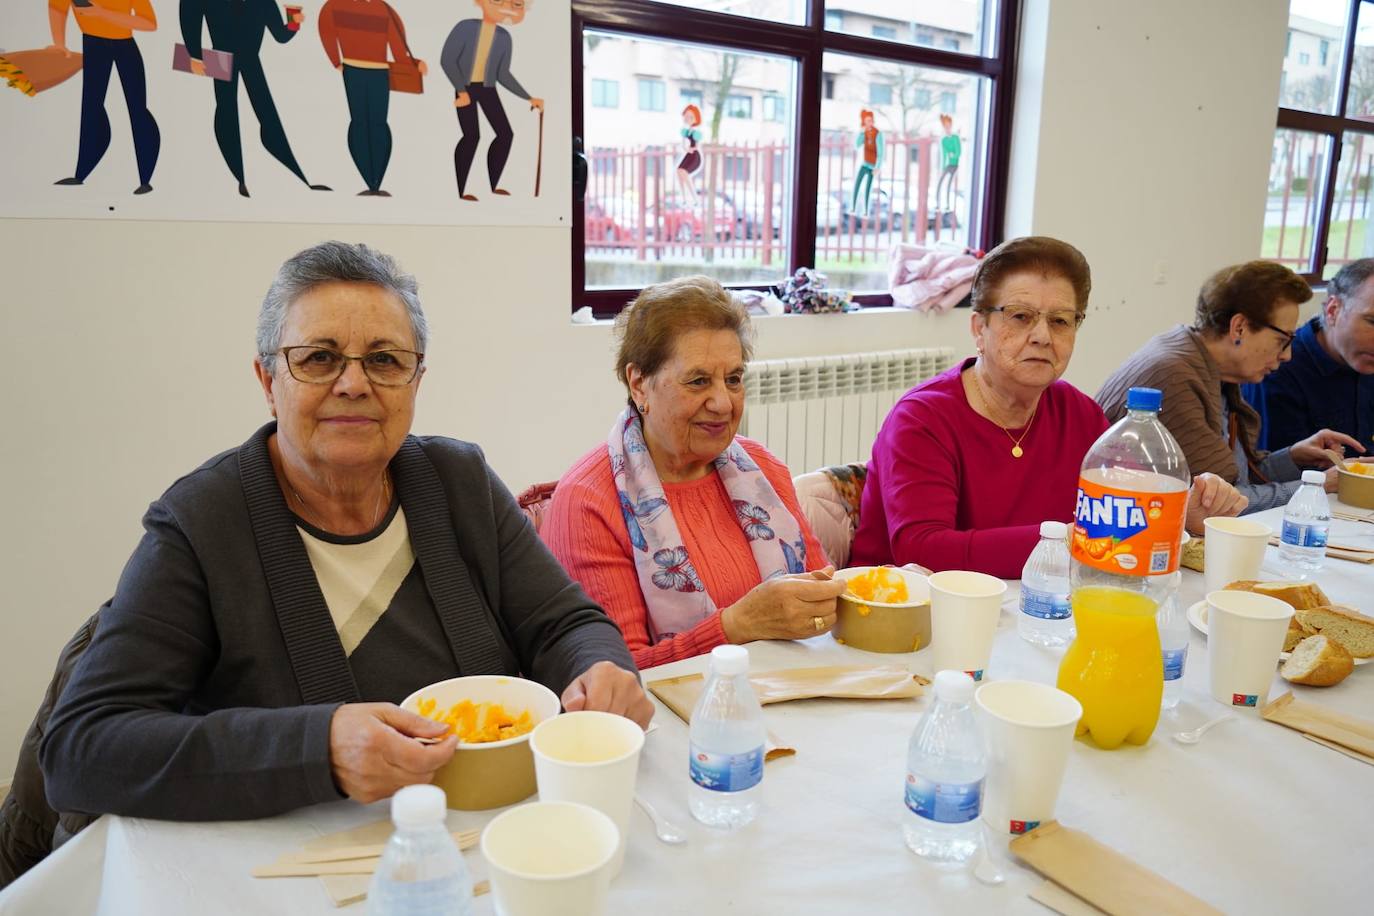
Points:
[(1254, 819)]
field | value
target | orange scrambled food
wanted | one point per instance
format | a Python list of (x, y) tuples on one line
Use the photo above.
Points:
[(1358, 467), (881, 586), (477, 723)]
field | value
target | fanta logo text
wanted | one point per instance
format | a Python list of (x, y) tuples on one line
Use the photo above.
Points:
[(1121, 514)]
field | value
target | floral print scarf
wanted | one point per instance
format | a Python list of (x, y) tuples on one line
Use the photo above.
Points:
[(676, 598)]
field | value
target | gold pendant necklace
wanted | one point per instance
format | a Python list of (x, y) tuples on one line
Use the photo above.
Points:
[(1016, 450)]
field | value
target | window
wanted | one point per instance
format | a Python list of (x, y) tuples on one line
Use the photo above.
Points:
[(653, 95), (1317, 213), (949, 101), (751, 194), (774, 107), (605, 93), (1288, 44)]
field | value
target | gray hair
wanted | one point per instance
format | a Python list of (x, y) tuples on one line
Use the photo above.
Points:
[(333, 262), (1348, 279)]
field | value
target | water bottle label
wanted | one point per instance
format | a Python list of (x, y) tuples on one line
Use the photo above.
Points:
[(1174, 660), (1297, 535), (944, 803), (1128, 533), (726, 772), (1045, 605)]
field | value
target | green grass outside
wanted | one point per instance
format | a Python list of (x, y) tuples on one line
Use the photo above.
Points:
[(1292, 238)]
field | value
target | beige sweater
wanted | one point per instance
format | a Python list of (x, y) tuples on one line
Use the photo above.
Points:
[(1196, 404)]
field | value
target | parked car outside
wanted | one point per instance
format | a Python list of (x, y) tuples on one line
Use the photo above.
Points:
[(679, 221)]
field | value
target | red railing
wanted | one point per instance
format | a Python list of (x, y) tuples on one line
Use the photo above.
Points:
[(636, 209)]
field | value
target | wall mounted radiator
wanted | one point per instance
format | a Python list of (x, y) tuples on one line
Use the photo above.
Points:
[(826, 410)]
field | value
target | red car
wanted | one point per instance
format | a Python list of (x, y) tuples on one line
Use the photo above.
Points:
[(684, 223), (598, 225)]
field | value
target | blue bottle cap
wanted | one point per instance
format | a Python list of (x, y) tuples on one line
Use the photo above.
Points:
[(1144, 399)]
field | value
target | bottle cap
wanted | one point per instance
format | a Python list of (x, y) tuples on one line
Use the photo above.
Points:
[(729, 660), (418, 806), (1317, 477), (1144, 399), (1056, 530), (953, 687)]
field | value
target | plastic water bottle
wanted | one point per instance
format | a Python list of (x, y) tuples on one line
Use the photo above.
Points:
[(726, 737), (1173, 643), (1305, 523), (1046, 616), (945, 770), (1132, 499), (421, 872)]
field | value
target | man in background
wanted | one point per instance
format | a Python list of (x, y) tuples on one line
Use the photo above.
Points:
[(1329, 382), (475, 58), (107, 43)]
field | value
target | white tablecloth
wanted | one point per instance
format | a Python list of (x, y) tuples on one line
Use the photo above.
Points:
[(1255, 819)]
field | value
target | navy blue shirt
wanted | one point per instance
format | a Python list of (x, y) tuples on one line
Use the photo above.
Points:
[(1311, 392)]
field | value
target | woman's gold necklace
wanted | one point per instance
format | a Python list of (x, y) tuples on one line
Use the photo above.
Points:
[(376, 511), (1016, 450)]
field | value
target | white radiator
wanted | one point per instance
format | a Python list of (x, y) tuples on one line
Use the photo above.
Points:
[(826, 410)]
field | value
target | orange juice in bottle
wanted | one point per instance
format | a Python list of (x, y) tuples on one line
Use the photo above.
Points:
[(1113, 667)]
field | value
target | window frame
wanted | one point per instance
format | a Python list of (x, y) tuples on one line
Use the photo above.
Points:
[(1334, 127), (806, 44)]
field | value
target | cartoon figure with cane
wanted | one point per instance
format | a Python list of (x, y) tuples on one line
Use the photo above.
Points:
[(476, 57), (690, 163)]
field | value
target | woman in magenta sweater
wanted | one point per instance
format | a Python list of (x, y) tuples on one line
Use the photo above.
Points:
[(968, 464)]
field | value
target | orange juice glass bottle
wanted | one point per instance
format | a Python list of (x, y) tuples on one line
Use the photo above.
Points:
[(1113, 666)]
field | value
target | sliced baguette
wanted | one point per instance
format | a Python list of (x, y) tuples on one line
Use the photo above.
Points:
[(1296, 633), (1194, 555), (1348, 627), (1318, 661), (1300, 596)]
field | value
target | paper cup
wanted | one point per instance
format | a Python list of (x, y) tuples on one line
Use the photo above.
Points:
[(1245, 633), (1029, 730), (1233, 549), (964, 607), (550, 857), (591, 758)]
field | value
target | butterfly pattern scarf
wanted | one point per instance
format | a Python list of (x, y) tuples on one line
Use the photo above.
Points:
[(676, 598)]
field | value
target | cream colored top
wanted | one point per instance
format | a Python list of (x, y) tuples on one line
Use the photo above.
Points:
[(479, 62), (359, 580)]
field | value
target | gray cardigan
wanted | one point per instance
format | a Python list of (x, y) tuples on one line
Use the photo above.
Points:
[(208, 691)]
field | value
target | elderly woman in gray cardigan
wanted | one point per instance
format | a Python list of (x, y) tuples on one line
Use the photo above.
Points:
[(289, 592), (1246, 319)]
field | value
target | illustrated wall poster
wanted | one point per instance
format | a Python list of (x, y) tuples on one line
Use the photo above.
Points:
[(335, 111)]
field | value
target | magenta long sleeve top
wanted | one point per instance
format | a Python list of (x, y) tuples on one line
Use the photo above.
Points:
[(944, 491)]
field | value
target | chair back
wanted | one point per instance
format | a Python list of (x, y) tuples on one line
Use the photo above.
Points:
[(829, 498)]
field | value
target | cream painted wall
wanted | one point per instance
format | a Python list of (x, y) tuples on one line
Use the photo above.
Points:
[(130, 343)]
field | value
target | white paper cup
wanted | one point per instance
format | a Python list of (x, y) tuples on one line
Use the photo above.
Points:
[(550, 857), (1029, 730), (591, 758), (964, 607), (1233, 549), (1245, 633)]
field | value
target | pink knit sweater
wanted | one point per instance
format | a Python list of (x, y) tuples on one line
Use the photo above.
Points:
[(586, 532)]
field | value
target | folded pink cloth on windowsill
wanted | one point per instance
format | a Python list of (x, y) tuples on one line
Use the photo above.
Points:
[(930, 279)]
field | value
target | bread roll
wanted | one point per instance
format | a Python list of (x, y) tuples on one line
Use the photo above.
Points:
[(1296, 633), (1348, 627), (1318, 662), (1193, 555), (1300, 596)]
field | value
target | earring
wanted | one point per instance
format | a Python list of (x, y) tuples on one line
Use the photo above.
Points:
[(644, 408), (1238, 341)]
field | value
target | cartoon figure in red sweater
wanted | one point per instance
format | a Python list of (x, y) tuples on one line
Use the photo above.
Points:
[(356, 35)]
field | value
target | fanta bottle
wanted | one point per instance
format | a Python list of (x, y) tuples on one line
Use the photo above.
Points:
[(1128, 528)]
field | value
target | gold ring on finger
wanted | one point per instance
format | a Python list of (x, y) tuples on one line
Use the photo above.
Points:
[(819, 622)]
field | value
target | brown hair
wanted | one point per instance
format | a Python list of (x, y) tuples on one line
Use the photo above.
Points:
[(649, 327), (1251, 289), (1051, 257)]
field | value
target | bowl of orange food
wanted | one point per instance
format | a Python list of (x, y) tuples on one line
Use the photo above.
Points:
[(492, 715), (883, 609), (1356, 485)]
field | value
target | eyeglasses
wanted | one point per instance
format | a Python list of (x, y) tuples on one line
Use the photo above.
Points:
[(1022, 319), (1286, 335), (321, 365)]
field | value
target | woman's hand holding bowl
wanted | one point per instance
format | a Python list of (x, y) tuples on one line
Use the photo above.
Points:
[(787, 607)]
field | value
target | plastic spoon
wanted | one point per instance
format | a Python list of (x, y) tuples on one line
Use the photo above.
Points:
[(1194, 735), (667, 831)]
